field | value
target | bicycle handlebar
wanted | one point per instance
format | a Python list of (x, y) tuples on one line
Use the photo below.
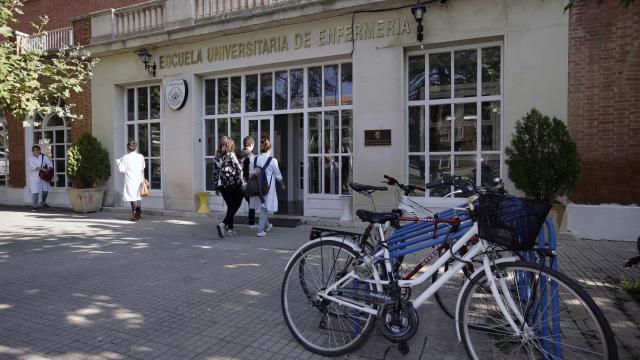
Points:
[(408, 189), (467, 186)]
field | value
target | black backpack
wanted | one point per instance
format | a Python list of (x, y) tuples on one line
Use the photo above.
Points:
[(230, 173), (258, 185)]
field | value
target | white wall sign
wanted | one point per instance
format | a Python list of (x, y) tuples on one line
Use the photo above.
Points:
[(177, 92)]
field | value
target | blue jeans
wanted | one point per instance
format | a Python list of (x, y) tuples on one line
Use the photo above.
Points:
[(34, 198), (264, 221)]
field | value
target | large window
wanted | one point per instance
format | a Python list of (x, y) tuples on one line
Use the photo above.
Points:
[(223, 103), (144, 125), (325, 94), (330, 132), (330, 152), (454, 114), (53, 134), (4, 151)]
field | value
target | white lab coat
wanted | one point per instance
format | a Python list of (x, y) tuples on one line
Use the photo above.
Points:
[(132, 165), (36, 184), (273, 175)]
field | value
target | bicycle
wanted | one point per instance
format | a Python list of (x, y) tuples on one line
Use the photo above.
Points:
[(410, 208), (507, 307)]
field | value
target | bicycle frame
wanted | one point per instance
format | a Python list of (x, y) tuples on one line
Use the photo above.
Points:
[(508, 307)]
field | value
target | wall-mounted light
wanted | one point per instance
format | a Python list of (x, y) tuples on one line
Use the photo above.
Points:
[(418, 10), (145, 57)]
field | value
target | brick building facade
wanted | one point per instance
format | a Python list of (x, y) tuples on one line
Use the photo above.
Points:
[(61, 15), (593, 84), (604, 101), (60, 12)]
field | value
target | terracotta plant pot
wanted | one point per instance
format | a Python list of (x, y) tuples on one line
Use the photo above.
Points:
[(86, 200), (556, 214)]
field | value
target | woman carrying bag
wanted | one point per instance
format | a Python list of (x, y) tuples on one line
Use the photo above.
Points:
[(132, 165), (37, 163)]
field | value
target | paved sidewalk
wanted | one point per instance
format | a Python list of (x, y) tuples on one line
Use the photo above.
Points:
[(96, 286)]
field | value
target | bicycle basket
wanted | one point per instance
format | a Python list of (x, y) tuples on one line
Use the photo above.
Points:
[(510, 222)]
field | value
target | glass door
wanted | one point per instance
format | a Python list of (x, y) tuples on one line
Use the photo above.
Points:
[(259, 127)]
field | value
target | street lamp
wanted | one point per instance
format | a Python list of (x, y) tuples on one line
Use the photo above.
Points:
[(418, 10), (145, 57)]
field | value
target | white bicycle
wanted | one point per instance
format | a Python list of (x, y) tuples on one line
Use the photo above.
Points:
[(333, 291)]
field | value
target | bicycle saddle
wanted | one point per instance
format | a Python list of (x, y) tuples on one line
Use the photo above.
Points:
[(362, 187), (374, 217)]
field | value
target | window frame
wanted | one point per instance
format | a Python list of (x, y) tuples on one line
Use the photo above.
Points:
[(44, 127), (149, 121), (305, 110), (4, 148), (452, 101)]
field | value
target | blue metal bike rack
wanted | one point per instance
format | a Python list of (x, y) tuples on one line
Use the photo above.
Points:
[(547, 242), (415, 236)]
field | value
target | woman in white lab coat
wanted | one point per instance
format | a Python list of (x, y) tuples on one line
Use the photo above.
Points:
[(36, 162), (274, 176), (132, 165)]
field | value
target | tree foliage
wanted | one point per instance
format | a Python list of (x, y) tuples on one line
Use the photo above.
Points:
[(543, 161), (33, 79), (572, 3), (88, 162)]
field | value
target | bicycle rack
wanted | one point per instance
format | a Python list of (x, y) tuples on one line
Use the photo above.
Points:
[(545, 255), (415, 236)]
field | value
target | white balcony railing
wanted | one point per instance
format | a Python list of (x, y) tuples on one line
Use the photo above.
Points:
[(139, 18), (207, 8), (51, 40)]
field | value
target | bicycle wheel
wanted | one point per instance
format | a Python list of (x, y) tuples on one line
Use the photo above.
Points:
[(447, 294), (559, 319), (322, 326)]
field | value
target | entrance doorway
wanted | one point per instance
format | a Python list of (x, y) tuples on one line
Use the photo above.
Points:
[(288, 149), (286, 133)]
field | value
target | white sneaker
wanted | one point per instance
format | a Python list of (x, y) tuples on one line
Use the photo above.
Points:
[(254, 226), (221, 229), (231, 233), (269, 227), (261, 233)]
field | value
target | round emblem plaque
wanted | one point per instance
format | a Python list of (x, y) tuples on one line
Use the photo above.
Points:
[(177, 92)]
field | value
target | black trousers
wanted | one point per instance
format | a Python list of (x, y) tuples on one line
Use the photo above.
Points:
[(252, 212), (233, 198)]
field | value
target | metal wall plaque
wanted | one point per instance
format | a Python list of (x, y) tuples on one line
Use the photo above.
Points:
[(377, 137), (177, 92)]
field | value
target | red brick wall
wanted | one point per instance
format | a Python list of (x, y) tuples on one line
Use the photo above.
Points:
[(59, 16), (60, 12), (604, 100), (82, 31), (16, 152), (83, 107)]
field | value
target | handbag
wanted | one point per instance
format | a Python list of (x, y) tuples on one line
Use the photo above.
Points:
[(47, 173), (144, 189)]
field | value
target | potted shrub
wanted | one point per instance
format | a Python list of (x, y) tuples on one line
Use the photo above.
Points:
[(88, 168), (543, 161)]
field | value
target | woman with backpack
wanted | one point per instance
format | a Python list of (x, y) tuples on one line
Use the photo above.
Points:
[(270, 174), (227, 178)]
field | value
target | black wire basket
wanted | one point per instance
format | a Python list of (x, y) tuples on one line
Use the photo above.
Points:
[(509, 221)]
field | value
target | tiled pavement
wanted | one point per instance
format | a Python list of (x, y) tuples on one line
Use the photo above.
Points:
[(98, 287)]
